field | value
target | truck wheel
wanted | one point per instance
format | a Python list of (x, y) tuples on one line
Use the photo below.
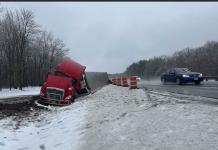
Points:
[(178, 81), (72, 99)]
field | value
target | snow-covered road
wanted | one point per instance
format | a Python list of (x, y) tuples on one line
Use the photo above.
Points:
[(116, 118), (123, 119)]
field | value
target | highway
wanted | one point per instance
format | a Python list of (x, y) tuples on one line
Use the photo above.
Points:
[(206, 89)]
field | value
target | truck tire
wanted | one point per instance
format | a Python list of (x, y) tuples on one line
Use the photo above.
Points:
[(72, 100)]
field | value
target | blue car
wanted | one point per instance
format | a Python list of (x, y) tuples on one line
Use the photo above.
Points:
[(181, 75)]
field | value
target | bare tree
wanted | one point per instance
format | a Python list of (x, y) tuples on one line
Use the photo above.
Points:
[(27, 53), (202, 59)]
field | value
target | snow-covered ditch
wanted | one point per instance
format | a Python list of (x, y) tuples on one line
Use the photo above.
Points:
[(51, 130), (5, 93), (116, 118)]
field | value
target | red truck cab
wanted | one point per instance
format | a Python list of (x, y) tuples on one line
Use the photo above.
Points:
[(62, 87)]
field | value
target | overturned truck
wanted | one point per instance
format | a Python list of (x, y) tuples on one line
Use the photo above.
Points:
[(70, 81)]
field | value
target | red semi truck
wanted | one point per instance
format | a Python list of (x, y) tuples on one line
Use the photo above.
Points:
[(65, 84)]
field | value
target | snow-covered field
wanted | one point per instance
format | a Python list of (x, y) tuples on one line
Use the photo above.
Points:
[(116, 118), (4, 93)]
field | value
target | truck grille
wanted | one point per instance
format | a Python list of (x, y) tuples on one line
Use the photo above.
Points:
[(55, 94)]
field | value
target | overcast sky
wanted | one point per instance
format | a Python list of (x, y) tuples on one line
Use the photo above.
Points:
[(109, 36)]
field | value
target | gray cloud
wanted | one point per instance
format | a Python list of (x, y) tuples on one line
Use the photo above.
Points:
[(110, 36)]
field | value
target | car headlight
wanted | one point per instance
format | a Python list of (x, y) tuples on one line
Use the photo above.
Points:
[(185, 76), (200, 75)]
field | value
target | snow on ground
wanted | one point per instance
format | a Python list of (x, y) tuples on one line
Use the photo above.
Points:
[(4, 93), (123, 119), (116, 118), (51, 130)]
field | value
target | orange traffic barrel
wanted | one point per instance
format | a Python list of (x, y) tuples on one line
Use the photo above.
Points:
[(133, 82), (124, 82), (114, 81), (119, 81)]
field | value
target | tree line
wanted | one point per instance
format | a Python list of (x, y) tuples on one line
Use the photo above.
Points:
[(202, 59), (27, 52)]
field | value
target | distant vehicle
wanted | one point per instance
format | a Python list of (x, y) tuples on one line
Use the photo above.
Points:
[(181, 75)]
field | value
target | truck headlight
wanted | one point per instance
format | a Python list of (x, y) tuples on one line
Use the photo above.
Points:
[(185, 76), (200, 75), (68, 97)]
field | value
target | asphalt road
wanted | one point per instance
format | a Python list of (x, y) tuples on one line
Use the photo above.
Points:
[(206, 89)]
